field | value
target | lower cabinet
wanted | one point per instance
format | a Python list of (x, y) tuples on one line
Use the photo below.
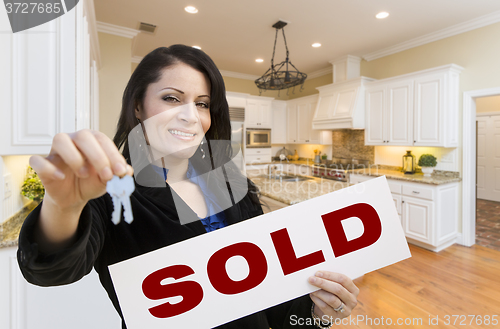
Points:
[(257, 155), (428, 213), (81, 305)]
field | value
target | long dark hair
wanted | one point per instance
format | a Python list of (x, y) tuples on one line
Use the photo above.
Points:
[(149, 71)]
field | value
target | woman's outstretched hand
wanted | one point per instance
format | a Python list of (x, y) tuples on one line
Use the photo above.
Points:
[(335, 289), (76, 170), (78, 167)]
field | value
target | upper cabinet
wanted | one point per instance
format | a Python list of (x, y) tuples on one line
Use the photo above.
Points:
[(279, 128), (299, 122), (49, 81), (389, 109), (419, 109), (258, 113)]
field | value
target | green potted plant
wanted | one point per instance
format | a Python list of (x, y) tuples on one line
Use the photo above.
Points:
[(427, 162), (32, 187), (323, 158)]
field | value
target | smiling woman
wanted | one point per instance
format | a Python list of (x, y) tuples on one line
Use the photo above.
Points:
[(174, 122)]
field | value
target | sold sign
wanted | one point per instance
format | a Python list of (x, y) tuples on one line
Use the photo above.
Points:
[(262, 262)]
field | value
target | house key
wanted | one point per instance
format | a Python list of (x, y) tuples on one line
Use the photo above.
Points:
[(120, 190)]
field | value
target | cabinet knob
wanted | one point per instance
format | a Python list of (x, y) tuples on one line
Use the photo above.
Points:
[(416, 192)]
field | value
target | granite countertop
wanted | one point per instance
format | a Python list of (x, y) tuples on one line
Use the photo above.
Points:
[(295, 192), (301, 161), (438, 177), (9, 230)]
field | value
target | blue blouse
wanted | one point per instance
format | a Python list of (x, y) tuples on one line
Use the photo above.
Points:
[(211, 222)]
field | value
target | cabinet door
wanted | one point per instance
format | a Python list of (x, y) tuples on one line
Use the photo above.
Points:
[(429, 111), (252, 114), (417, 219), (375, 103), (303, 122), (291, 127), (399, 112), (314, 135), (265, 115), (278, 130)]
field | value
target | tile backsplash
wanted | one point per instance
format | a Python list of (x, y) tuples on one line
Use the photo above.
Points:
[(350, 143)]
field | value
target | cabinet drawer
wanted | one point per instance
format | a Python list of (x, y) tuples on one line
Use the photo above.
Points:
[(259, 151), (394, 187), (355, 179), (257, 158), (418, 192)]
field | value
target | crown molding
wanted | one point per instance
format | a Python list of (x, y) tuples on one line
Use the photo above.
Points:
[(231, 74), (321, 72), (117, 30), (470, 25), (136, 59)]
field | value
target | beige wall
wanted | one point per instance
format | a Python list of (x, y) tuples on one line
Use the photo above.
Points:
[(133, 66), (113, 77), (488, 104), (311, 84)]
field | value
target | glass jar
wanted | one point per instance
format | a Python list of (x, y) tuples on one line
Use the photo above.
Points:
[(408, 163)]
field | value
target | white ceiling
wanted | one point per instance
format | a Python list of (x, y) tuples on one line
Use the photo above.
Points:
[(236, 32)]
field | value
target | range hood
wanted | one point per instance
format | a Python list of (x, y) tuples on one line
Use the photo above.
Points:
[(341, 105)]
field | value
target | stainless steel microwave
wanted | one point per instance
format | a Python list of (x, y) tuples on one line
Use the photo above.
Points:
[(258, 137)]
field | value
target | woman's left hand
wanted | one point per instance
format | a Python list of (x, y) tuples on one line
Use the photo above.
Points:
[(336, 289)]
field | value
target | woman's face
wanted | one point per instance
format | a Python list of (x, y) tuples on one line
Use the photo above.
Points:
[(176, 112)]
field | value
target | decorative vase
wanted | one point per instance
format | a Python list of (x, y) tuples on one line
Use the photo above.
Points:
[(295, 157), (427, 171)]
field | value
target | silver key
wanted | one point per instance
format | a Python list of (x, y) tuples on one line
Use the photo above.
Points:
[(127, 185), (120, 191)]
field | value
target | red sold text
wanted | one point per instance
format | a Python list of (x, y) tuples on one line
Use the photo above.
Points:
[(192, 291)]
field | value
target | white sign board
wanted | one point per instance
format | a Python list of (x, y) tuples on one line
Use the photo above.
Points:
[(262, 262)]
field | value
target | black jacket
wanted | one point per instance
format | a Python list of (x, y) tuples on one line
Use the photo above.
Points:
[(100, 243)]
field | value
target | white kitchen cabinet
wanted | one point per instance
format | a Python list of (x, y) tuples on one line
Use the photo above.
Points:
[(291, 123), (419, 109), (257, 155), (389, 110), (48, 81), (258, 113), (279, 124), (417, 219), (428, 213), (299, 122), (83, 304)]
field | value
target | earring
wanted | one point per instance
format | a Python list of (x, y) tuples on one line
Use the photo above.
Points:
[(202, 151)]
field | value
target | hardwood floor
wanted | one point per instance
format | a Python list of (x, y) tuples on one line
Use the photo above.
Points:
[(457, 281)]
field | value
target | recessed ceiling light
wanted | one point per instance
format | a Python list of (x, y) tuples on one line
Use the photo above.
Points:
[(197, 47), (191, 9), (259, 60), (316, 45), (382, 15)]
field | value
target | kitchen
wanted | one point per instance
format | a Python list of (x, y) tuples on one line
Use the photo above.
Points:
[(394, 68)]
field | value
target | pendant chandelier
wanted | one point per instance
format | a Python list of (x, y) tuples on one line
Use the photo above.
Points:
[(283, 75)]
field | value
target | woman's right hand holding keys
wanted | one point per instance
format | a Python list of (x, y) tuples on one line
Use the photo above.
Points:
[(76, 170)]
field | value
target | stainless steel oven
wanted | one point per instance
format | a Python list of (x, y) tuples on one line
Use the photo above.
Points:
[(258, 137)]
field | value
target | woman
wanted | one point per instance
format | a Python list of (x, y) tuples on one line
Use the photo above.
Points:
[(176, 97)]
